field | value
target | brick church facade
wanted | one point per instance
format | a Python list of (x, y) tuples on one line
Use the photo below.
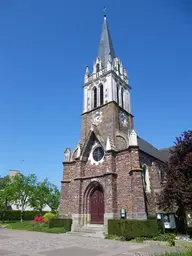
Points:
[(111, 168)]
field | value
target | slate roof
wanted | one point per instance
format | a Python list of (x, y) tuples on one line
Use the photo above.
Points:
[(106, 46), (165, 152), (151, 150)]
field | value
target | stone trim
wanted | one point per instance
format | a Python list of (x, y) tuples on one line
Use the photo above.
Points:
[(95, 79), (97, 176), (87, 112), (133, 148), (110, 151), (137, 169), (65, 181), (115, 152), (110, 173), (64, 216), (122, 151), (68, 163), (108, 71), (77, 222)]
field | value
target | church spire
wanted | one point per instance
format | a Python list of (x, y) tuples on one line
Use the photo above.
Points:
[(106, 50)]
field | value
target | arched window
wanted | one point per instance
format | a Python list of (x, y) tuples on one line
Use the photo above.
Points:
[(161, 174), (144, 175), (97, 67), (101, 95), (117, 94), (94, 97), (122, 103), (146, 179)]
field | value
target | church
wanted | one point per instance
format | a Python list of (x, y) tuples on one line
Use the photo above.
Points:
[(111, 169)]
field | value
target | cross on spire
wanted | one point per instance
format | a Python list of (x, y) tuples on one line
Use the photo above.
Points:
[(106, 50), (105, 10)]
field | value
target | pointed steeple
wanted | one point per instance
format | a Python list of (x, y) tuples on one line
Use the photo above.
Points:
[(106, 50)]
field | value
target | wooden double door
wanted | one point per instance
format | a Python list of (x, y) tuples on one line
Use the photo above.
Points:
[(97, 206)]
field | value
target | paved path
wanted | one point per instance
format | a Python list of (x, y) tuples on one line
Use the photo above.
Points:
[(24, 243)]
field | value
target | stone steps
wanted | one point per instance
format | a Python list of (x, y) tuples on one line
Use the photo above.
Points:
[(91, 231)]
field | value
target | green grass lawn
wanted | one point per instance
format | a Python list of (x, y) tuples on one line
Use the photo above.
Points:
[(31, 226)]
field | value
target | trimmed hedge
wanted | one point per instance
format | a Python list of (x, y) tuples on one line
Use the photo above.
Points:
[(130, 229), (57, 223), (151, 217), (16, 215)]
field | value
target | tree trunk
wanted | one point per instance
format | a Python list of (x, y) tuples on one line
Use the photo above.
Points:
[(182, 225), (22, 209), (41, 211), (3, 215)]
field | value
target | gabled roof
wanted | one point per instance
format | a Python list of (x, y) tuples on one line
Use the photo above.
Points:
[(92, 136), (106, 46), (151, 150)]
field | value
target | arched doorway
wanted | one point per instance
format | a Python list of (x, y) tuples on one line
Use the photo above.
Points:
[(97, 206)]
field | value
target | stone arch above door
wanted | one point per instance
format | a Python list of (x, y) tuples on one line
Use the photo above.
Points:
[(94, 202)]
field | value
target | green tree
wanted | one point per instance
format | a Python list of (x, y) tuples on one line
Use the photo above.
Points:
[(44, 194), (177, 188), (53, 197), (38, 200), (6, 195), (23, 187)]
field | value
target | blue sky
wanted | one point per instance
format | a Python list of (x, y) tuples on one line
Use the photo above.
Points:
[(44, 48)]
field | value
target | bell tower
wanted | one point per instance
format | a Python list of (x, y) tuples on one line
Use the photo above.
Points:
[(103, 175), (106, 92)]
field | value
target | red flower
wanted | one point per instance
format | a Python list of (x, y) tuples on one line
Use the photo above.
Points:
[(38, 219)]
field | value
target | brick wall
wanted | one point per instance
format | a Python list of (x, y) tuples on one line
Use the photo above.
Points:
[(154, 165), (110, 121)]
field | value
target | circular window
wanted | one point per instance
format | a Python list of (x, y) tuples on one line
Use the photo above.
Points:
[(98, 154)]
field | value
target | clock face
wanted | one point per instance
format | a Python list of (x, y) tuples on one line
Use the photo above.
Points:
[(123, 119), (97, 118), (98, 154)]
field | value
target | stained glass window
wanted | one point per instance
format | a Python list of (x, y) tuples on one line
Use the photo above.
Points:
[(98, 154)]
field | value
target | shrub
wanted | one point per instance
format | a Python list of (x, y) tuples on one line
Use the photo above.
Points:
[(112, 237), (160, 226), (151, 217), (66, 223), (130, 229), (16, 215), (48, 216), (140, 239), (165, 237)]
